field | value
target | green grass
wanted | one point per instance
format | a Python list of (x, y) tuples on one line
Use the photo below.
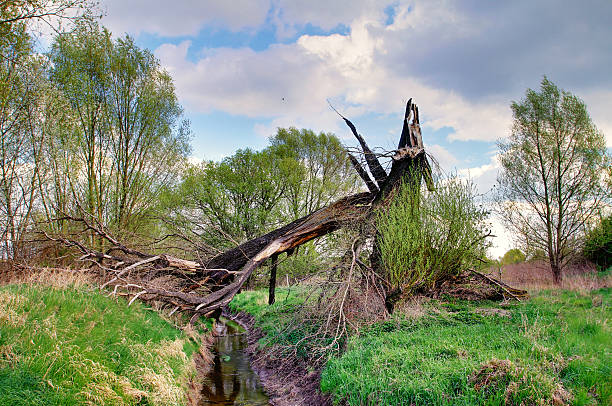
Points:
[(555, 343), (273, 320), (64, 346)]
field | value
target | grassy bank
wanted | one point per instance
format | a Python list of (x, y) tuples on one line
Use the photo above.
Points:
[(555, 348), (273, 320), (72, 345)]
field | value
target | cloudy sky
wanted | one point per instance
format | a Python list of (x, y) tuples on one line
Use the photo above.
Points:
[(242, 68)]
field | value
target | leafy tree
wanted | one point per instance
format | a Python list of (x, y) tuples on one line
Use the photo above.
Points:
[(129, 139), (598, 244), (80, 71), (320, 171), (230, 201), (551, 181), (23, 91), (513, 256), (245, 195), (148, 137), (47, 11)]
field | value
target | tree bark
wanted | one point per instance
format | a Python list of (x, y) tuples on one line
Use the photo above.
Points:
[(272, 288), (226, 273), (556, 271)]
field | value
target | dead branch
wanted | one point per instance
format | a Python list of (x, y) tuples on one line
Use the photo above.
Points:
[(204, 287)]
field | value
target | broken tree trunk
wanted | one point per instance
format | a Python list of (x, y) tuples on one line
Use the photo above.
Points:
[(208, 286), (272, 287), (244, 259)]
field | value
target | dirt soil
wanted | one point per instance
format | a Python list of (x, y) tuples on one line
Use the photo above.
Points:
[(202, 362), (288, 382)]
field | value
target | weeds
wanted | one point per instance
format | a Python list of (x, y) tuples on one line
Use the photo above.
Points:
[(72, 345), (429, 236), (553, 349)]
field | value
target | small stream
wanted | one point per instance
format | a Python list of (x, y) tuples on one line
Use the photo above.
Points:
[(231, 380)]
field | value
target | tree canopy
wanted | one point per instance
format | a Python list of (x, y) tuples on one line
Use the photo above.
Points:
[(552, 173)]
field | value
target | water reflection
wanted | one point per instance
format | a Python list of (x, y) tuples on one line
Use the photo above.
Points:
[(231, 380)]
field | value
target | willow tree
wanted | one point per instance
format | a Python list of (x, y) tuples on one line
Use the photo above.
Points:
[(551, 183), (130, 137), (25, 97)]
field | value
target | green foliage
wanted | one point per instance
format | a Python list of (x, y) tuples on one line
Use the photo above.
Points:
[(465, 353), (76, 346), (277, 321), (551, 180), (22, 98), (306, 261), (251, 192), (128, 139), (598, 244), (428, 236), (230, 201), (320, 171), (513, 256)]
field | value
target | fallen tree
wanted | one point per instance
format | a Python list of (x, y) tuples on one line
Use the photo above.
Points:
[(205, 287)]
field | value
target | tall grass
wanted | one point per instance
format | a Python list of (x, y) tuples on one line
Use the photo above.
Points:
[(428, 236), (553, 349), (72, 345)]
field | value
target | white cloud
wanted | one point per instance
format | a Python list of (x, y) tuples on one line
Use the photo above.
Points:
[(599, 106), (282, 81), (484, 176), (445, 158), (503, 240), (291, 83), (184, 17), (329, 14)]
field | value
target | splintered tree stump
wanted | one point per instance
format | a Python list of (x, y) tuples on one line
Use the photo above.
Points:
[(410, 157), (225, 274)]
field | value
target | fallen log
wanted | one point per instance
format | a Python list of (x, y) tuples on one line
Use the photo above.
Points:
[(205, 287)]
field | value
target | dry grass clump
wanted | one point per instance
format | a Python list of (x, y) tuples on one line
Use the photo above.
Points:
[(8, 303), (523, 385), (55, 277)]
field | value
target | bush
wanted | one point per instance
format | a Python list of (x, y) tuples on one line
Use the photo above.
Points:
[(430, 236), (598, 244), (513, 256)]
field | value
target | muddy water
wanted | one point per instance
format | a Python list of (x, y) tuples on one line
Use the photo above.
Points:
[(231, 380)]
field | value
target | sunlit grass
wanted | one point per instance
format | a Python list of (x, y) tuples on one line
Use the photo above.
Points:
[(556, 347), (72, 345)]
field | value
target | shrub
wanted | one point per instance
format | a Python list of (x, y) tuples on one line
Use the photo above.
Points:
[(429, 236), (513, 256), (598, 244)]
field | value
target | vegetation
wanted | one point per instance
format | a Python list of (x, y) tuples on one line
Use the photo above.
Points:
[(220, 204), (513, 256), (552, 165), (477, 353), (598, 244), (426, 237), (72, 345), (93, 127), (93, 155), (552, 348), (46, 11), (128, 140), (275, 319)]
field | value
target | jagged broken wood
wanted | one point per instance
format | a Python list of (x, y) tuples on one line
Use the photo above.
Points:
[(209, 285)]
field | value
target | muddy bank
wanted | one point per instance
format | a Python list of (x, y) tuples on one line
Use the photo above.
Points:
[(287, 382), (202, 364)]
